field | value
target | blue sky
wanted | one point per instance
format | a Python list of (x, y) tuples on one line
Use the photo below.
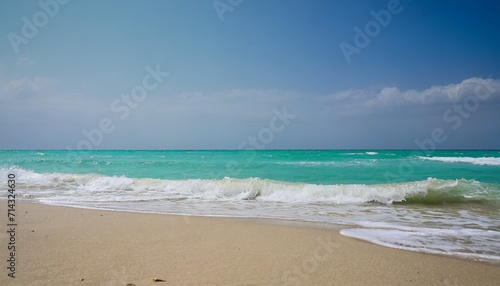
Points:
[(421, 68)]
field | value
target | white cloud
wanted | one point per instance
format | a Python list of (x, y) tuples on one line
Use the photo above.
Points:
[(26, 87), (253, 103), (453, 92), (44, 96), (257, 103), (354, 101), (231, 116)]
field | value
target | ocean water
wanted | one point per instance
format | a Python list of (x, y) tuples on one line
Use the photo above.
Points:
[(444, 202)]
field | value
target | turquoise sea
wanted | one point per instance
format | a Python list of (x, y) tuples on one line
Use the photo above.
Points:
[(445, 202)]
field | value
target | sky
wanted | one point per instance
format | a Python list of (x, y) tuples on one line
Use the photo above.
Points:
[(249, 74)]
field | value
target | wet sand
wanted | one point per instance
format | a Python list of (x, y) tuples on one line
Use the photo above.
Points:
[(70, 246)]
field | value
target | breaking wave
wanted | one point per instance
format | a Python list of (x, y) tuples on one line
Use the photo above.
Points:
[(100, 188), (490, 161)]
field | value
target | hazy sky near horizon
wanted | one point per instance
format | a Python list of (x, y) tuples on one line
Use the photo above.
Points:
[(239, 74)]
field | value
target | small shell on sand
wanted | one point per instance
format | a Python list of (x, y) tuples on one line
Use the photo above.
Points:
[(155, 279)]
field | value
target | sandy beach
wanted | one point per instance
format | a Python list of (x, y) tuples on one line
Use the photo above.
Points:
[(70, 246)]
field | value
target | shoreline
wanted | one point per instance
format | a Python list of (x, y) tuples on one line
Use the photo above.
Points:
[(286, 222), (62, 245)]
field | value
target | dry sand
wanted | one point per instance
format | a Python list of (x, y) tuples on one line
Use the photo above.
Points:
[(69, 246)]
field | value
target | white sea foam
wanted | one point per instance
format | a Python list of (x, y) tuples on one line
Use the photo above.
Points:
[(491, 161), (363, 162), (465, 242), (362, 153), (98, 187)]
